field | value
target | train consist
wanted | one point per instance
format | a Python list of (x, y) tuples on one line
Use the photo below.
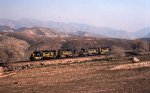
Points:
[(53, 54)]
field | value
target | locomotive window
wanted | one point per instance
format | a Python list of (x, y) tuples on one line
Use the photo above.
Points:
[(38, 53)]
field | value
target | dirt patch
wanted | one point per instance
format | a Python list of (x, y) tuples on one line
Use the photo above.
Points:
[(1, 71), (5, 74), (131, 66)]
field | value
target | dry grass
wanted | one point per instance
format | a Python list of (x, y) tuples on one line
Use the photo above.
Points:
[(83, 78), (1, 71), (132, 66)]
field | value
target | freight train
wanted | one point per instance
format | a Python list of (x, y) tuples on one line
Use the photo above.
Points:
[(67, 53)]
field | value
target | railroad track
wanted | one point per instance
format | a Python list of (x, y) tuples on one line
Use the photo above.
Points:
[(63, 61), (40, 63)]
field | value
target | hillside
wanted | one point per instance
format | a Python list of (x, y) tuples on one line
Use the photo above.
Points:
[(12, 49), (41, 31), (75, 28), (6, 29), (143, 33), (40, 38), (68, 27)]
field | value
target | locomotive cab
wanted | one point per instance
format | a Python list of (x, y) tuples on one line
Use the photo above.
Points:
[(36, 55), (48, 54), (83, 52), (104, 50), (65, 53), (92, 51)]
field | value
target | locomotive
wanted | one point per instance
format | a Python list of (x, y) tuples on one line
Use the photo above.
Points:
[(67, 53)]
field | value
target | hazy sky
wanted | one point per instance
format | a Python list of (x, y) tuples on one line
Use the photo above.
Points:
[(128, 15)]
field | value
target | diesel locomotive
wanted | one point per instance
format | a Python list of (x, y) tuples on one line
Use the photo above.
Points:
[(67, 53)]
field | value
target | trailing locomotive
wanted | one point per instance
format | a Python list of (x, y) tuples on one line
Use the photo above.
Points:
[(53, 54)]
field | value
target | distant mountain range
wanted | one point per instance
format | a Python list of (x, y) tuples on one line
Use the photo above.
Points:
[(143, 33), (73, 29)]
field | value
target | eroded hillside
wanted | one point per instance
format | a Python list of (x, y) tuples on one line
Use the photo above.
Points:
[(12, 49)]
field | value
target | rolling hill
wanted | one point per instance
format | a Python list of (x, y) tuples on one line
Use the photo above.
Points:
[(68, 27)]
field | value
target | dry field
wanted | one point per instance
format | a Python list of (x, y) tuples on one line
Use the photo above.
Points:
[(90, 77)]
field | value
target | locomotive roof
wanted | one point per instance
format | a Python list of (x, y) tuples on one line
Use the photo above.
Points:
[(37, 51), (49, 50)]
